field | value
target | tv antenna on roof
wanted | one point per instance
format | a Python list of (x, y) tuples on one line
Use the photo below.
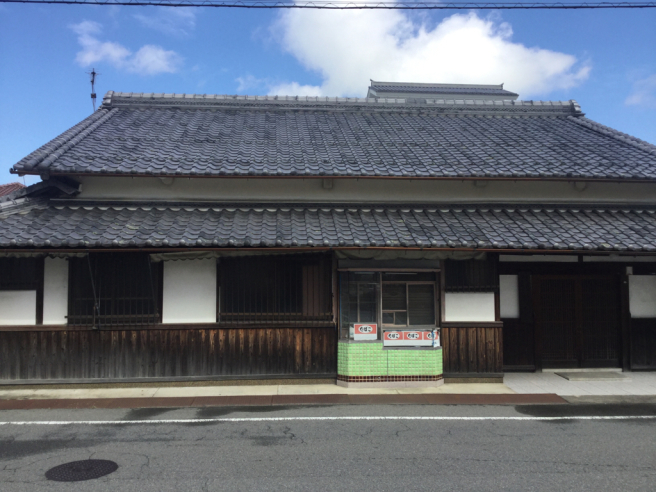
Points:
[(93, 74)]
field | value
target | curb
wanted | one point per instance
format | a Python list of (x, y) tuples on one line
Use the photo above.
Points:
[(273, 400)]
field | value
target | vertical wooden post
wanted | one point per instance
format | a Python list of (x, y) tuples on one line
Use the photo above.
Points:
[(625, 321), (578, 316), (40, 277), (537, 324)]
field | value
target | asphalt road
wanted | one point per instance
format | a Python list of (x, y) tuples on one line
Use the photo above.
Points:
[(485, 451)]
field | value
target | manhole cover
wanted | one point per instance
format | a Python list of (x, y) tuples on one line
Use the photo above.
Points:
[(77, 471)]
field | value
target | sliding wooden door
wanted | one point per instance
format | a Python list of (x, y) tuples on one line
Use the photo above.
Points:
[(577, 321)]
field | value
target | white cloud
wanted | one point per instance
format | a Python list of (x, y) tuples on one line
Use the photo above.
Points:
[(248, 82), (148, 60), (347, 48), (151, 60), (643, 93), (173, 21), (296, 89)]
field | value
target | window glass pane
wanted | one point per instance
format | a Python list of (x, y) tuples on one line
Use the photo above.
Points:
[(294, 288), (394, 297), (19, 273), (367, 293), (400, 318), (409, 277), (388, 318), (421, 300), (113, 289), (471, 275), (346, 304), (359, 295), (363, 277), (367, 303), (349, 304)]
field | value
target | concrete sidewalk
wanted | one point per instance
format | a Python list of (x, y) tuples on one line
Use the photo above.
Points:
[(518, 388), (635, 384), (7, 393)]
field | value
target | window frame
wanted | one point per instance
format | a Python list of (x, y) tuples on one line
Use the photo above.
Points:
[(312, 292), (92, 271), (344, 331), (33, 282), (407, 303)]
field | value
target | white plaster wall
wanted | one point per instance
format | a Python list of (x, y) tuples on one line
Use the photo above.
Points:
[(508, 296), (17, 307), (55, 291), (469, 306), (189, 291), (642, 296), (352, 190)]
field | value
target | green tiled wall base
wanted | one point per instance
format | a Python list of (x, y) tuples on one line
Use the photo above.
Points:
[(369, 359)]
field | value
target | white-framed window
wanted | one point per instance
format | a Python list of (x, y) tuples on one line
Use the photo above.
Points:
[(392, 300)]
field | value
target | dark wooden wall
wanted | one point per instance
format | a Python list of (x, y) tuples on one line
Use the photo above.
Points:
[(518, 345), (168, 353), (472, 348), (643, 343)]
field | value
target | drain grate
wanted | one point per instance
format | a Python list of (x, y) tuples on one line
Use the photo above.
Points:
[(77, 471)]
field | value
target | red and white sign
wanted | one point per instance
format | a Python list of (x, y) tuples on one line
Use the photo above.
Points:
[(365, 331), (409, 338)]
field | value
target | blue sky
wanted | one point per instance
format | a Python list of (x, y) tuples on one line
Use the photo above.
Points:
[(603, 59)]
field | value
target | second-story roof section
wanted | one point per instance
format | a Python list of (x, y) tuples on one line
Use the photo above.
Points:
[(445, 91), (417, 138)]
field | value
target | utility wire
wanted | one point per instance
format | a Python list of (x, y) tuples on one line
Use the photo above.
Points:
[(362, 5)]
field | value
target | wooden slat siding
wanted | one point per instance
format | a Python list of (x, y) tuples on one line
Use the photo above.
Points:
[(643, 343), (101, 355), (498, 349), (472, 349), (483, 342), (262, 350)]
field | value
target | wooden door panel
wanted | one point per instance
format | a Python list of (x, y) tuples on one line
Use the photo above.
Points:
[(557, 308), (600, 322), (577, 321)]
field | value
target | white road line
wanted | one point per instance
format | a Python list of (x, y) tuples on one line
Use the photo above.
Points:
[(288, 419)]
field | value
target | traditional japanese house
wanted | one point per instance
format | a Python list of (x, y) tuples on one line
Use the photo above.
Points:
[(424, 232)]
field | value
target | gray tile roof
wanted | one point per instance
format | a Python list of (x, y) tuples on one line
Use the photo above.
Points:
[(198, 135), (140, 225)]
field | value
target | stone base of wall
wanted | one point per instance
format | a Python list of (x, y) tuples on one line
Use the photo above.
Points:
[(370, 365), (389, 381)]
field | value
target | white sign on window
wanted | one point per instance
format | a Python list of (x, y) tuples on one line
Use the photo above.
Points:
[(410, 338), (365, 331)]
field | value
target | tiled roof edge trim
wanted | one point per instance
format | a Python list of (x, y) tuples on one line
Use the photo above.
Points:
[(616, 134), (21, 206), (442, 88), (56, 147), (354, 207), (429, 84), (129, 99), (52, 186)]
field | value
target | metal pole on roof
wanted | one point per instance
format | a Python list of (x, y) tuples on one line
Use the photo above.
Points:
[(93, 74)]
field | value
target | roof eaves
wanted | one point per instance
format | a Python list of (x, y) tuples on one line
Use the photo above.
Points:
[(45, 155), (617, 135), (51, 187)]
